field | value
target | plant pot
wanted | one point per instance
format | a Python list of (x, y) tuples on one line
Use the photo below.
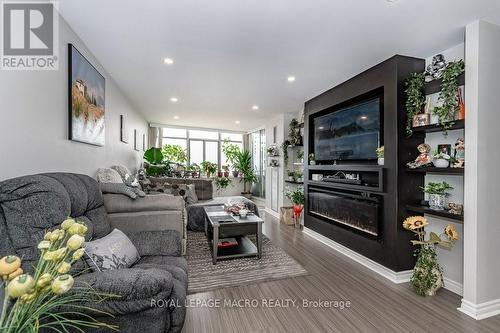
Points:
[(290, 178), (312, 162), (247, 195), (441, 163), (380, 161), (219, 174), (235, 174), (226, 174), (437, 201), (194, 174)]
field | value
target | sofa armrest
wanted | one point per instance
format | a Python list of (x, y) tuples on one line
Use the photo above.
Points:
[(133, 289), (157, 243), (119, 203)]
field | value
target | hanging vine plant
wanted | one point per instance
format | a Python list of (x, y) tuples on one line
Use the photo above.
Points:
[(415, 98), (448, 95)]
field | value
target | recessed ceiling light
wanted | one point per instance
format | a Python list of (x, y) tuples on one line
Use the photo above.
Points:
[(321, 128), (291, 79), (392, 1), (237, 122), (174, 99), (168, 61), (177, 117), (255, 107), (364, 117)]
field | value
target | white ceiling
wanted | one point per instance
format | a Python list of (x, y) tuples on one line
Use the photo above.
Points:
[(232, 54)]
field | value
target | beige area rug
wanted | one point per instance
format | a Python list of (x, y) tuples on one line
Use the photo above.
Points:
[(204, 276)]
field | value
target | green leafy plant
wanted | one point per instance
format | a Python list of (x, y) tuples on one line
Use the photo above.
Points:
[(300, 155), (174, 153), (380, 152), (415, 98), (222, 182), (231, 151), (449, 94), (155, 164), (153, 156), (296, 196), (291, 173), (294, 132), (209, 168), (244, 165), (442, 188), (284, 148), (47, 300)]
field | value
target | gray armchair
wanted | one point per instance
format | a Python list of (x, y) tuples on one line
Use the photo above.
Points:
[(32, 204)]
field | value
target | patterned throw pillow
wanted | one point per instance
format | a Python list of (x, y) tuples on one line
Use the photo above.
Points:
[(108, 175), (119, 189), (126, 175), (191, 195), (113, 251)]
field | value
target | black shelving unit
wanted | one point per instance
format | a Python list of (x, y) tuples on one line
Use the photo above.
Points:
[(440, 171), (440, 213), (434, 86), (457, 124), (293, 182)]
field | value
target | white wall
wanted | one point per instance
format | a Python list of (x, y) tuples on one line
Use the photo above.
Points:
[(34, 121), (482, 228), (450, 260)]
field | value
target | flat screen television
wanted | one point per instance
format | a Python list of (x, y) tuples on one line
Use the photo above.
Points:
[(350, 133)]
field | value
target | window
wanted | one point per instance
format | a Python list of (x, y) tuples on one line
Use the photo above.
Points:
[(201, 145)]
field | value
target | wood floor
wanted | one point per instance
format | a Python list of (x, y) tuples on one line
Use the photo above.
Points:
[(377, 305)]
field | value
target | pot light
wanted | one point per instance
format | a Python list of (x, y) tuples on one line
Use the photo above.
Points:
[(364, 117), (291, 79), (177, 117), (237, 122), (174, 99), (168, 61), (255, 107)]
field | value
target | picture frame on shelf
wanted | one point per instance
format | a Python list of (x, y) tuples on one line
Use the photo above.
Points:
[(421, 119), (444, 149)]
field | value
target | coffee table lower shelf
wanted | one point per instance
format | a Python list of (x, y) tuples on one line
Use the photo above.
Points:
[(245, 248)]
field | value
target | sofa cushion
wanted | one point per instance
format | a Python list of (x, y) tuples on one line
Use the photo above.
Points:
[(116, 188), (117, 203), (177, 266), (113, 251), (30, 205)]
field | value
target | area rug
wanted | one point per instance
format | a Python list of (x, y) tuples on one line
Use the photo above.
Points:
[(204, 276)]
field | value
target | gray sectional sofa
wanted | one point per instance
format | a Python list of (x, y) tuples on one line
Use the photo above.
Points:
[(30, 205)]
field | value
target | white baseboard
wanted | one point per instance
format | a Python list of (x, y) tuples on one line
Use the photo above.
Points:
[(453, 286), (395, 277), (482, 310), (272, 212)]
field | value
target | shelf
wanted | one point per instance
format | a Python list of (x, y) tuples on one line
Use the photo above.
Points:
[(365, 188), (457, 124), (440, 213), (346, 167), (293, 182), (441, 171), (434, 86)]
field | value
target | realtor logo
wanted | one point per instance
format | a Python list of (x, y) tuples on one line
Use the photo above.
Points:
[(29, 35)]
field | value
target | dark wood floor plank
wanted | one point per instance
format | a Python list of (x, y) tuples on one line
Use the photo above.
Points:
[(377, 305)]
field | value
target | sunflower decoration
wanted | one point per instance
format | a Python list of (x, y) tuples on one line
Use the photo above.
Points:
[(451, 232), (415, 223)]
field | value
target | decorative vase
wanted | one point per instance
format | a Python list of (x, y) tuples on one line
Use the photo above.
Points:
[(235, 174), (219, 174), (437, 201), (427, 276), (380, 161), (441, 163), (226, 174), (297, 211)]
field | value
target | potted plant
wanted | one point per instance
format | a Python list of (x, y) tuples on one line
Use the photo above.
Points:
[(248, 177), (415, 99), (226, 170), (300, 156), (195, 170), (231, 151), (380, 155), (441, 160), (298, 199), (427, 275), (284, 147), (222, 183), (299, 177), (273, 151), (208, 168), (437, 194), (155, 164), (291, 175), (174, 153), (312, 161), (294, 133)]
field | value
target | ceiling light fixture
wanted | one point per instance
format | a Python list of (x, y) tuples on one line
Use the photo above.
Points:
[(237, 122), (174, 99), (177, 117), (255, 107), (291, 79), (168, 61)]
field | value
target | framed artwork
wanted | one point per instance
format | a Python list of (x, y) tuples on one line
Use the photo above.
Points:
[(123, 130), (422, 119), (143, 142), (86, 87), (444, 149), (136, 141)]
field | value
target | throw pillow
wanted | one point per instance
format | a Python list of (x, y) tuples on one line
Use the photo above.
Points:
[(113, 251), (108, 175), (126, 175), (191, 194), (115, 188)]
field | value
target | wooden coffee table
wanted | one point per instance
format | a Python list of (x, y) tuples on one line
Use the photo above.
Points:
[(221, 224)]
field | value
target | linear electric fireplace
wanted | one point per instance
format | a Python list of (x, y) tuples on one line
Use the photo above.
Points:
[(347, 209)]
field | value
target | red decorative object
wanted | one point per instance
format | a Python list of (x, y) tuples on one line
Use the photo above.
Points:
[(461, 105), (297, 211)]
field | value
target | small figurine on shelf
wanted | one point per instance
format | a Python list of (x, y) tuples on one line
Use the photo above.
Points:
[(454, 208), (435, 69), (459, 153), (423, 159)]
